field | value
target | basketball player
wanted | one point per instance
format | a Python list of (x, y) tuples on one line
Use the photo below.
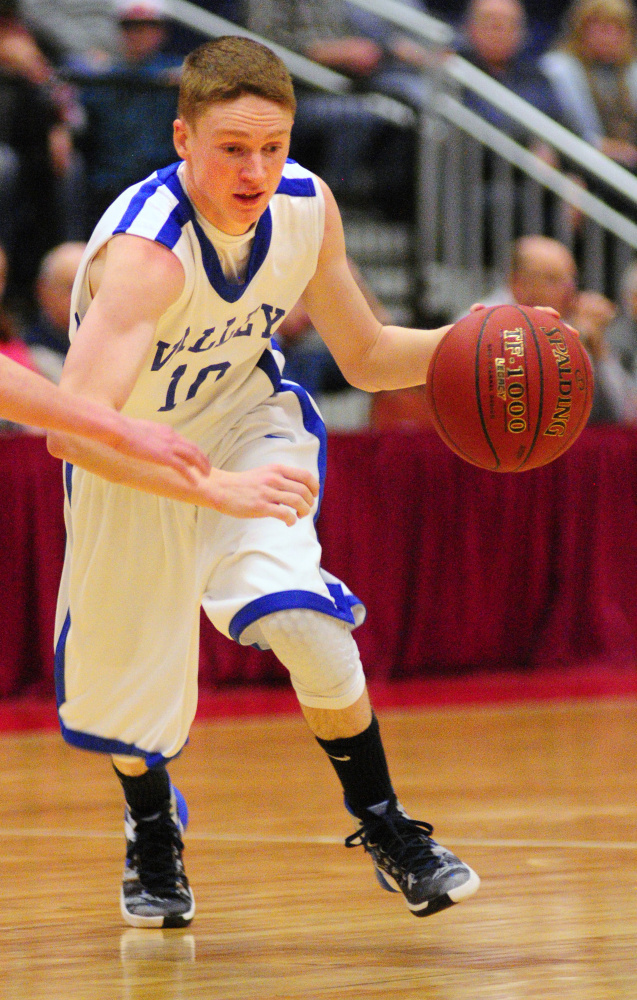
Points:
[(28, 398), (182, 286)]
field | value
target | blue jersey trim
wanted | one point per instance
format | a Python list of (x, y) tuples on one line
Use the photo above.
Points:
[(297, 187), (342, 600), (100, 744), (88, 741), (284, 600), (68, 479), (313, 422), (170, 233), (60, 650), (183, 212), (261, 244), (137, 202), (268, 365)]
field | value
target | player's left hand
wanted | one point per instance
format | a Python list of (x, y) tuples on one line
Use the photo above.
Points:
[(547, 309), (158, 443), (279, 491)]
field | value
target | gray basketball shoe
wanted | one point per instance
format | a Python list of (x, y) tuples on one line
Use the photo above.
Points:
[(155, 890), (407, 860)]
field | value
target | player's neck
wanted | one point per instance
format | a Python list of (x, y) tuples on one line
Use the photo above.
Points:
[(231, 227)]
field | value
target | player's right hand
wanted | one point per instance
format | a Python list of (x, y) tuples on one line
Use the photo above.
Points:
[(162, 445), (279, 491)]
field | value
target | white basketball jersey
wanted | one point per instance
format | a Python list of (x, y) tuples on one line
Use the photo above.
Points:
[(212, 357)]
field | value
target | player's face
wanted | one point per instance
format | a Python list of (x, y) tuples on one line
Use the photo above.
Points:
[(234, 154)]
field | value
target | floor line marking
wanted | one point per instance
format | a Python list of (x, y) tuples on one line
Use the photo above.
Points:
[(563, 845)]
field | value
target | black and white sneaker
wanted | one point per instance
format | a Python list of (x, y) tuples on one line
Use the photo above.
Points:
[(155, 890), (407, 860)]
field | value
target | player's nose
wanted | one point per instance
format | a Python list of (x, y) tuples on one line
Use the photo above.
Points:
[(254, 169)]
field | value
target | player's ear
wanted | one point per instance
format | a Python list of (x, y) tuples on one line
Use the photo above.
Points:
[(180, 137)]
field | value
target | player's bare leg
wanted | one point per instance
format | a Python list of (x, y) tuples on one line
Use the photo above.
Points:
[(155, 890), (335, 724), (132, 766)]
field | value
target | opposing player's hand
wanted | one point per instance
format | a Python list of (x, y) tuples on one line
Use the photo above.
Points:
[(162, 445), (269, 491)]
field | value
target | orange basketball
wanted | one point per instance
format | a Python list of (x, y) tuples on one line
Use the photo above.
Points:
[(510, 388)]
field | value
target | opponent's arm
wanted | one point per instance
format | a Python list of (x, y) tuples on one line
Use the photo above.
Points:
[(137, 284), (371, 356), (28, 398)]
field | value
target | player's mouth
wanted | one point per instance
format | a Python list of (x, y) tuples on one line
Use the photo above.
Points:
[(248, 197)]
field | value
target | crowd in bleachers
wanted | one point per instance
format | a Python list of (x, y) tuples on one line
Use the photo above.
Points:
[(88, 96)]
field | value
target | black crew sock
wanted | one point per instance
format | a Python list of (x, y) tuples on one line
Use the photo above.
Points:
[(148, 793), (361, 766)]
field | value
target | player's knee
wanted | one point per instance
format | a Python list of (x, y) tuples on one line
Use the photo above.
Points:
[(321, 655)]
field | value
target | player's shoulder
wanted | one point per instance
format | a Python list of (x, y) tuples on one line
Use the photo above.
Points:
[(137, 269), (298, 182), (156, 208)]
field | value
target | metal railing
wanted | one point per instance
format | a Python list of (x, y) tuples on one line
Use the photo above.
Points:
[(465, 224), (477, 188), (302, 69)]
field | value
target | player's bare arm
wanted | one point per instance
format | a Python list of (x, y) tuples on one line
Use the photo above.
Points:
[(370, 355), (28, 398), (134, 283)]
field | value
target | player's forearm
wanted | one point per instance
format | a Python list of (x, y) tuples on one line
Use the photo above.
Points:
[(269, 491), (397, 359), (28, 398), (106, 462)]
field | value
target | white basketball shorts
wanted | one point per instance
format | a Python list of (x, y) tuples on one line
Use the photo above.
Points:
[(139, 567)]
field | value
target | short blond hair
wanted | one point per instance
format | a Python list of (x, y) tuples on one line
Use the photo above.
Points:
[(620, 11), (228, 67)]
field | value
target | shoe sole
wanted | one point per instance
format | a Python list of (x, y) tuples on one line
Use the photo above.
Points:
[(439, 903), (172, 920)]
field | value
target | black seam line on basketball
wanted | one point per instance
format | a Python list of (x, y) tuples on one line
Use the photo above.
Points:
[(460, 451), (541, 400), (477, 381)]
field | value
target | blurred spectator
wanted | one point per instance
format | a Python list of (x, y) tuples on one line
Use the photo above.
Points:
[(543, 272), (76, 34), (38, 115), (495, 33), (20, 53), (622, 332), (494, 41), (345, 38), (48, 336), (183, 39), (131, 108), (11, 344), (594, 73), (333, 134)]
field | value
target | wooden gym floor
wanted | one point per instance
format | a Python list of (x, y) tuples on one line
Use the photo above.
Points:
[(538, 798)]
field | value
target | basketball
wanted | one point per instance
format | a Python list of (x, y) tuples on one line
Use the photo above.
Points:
[(509, 388)]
